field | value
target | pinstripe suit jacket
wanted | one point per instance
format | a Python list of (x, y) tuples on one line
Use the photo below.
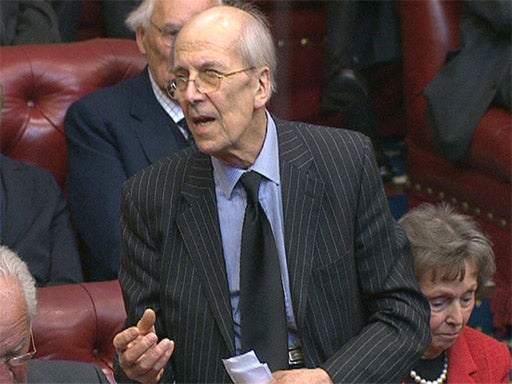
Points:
[(359, 311)]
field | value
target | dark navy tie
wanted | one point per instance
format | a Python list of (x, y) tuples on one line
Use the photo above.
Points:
[(183, 124), (262, 310)]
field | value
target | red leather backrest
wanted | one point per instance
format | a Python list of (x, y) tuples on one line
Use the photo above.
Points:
[(299, 29), (78, 322), (39, 84), (430, 29)]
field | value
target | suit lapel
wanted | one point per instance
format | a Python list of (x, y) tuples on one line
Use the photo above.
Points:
[(302, 193), (199, 226), (152, 125)]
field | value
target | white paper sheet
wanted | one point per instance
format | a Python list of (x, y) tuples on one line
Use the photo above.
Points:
[(247, 369)]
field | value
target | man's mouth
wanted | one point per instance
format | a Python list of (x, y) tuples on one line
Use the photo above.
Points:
[(202, 120)]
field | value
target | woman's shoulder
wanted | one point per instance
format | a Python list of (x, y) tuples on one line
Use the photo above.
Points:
[(481, 342)]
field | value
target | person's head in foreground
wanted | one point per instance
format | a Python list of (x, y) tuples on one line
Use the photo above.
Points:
[(18, 302), (453, 259), (224, 61)]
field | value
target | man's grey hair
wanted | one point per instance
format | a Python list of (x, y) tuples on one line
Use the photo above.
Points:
[(256, 44), (141, 16), (15, 269)]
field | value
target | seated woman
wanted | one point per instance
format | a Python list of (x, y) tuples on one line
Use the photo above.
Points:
[(452, 259)]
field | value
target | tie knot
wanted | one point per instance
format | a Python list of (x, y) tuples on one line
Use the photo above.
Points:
[(183, 125), (251, 183)]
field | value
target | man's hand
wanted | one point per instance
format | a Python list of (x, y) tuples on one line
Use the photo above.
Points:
[(301, 376), (140, 354)]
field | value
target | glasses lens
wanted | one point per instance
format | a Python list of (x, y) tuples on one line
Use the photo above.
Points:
[(207, 81)]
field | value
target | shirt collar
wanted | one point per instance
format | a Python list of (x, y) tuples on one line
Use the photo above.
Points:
[(266, 164), (170, 106)]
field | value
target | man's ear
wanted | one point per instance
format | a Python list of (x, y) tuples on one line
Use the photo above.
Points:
[(140, 35), (263, 91)]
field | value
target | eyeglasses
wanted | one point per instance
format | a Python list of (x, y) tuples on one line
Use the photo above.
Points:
[(16, 361), (205, 82), (167, 35)]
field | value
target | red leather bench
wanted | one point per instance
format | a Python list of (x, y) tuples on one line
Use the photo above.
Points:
[(73, 322), (78, 322), (40, 82)]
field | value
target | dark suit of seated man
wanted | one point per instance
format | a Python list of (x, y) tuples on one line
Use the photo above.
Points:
[(65, 372), (115, 132), (18, 302), (35, 223)]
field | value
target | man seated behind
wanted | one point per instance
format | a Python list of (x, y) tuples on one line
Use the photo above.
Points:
[(117, 131), (35, 223)]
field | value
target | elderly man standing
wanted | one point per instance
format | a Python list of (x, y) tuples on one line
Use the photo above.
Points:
[(115, 132), (346, 306)]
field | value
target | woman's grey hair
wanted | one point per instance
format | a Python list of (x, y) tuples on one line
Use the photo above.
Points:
[(441, 241), (12, 267), (141, 16), (256, 44)]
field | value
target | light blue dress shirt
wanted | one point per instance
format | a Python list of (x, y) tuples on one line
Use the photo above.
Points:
[(231, 201)]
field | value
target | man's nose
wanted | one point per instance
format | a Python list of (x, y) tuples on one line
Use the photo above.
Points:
[(192, 91)]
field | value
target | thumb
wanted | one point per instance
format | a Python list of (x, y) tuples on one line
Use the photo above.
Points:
[(146, 323)]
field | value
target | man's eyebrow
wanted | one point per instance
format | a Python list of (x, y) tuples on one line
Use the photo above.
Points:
[(172, 27), (178, 69), (213, 64)]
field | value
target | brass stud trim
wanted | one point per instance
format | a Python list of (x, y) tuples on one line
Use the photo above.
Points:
[(490, 216)]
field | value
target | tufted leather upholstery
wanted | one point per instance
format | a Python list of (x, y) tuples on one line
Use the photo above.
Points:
[(78, 322), (73, 322), (40, 83), (479, 186)]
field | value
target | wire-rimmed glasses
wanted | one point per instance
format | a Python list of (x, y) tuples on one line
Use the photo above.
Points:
[(167, 35), (206, 81), (16, 361)]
